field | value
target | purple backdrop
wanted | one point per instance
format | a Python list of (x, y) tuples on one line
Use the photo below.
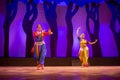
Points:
[(17, 36)]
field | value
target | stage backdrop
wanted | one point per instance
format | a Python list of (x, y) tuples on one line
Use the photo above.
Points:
[(14, 16)]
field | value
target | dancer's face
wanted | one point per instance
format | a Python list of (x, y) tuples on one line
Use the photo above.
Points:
[(39, 28), (83, 36)]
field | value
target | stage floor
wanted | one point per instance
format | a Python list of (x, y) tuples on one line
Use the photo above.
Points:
[(61, 73)]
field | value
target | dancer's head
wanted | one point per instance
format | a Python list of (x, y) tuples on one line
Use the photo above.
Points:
[(39, 27), (82, 36)]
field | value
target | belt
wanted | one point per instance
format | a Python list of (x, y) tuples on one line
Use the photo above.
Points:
[(39, 43)]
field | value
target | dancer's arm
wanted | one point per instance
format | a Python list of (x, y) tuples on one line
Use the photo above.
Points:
[(93, 42), (77, 33), (47, 33), (50, 32)]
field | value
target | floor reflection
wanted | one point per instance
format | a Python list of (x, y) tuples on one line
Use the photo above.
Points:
[(60, 73)]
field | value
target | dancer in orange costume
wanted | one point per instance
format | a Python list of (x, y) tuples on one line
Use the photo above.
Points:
[(84, 50), (39, 46)]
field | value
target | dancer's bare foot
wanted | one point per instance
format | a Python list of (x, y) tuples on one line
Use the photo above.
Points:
[(37, 62), (42, 67), (38, 66), (85, 65)]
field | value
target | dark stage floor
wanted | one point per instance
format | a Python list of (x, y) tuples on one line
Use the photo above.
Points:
[(61, 73)]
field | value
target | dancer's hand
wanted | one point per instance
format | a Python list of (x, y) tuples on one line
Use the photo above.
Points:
[(77, 31), (78, 28), (50, 32), (96, 40), (93, 42)]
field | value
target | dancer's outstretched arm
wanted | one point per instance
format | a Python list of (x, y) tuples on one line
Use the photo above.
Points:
[(93, 42), (49, 32)]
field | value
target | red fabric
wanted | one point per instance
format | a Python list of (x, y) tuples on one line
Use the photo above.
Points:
[(46, 33), (35, 34), (32, 50)]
